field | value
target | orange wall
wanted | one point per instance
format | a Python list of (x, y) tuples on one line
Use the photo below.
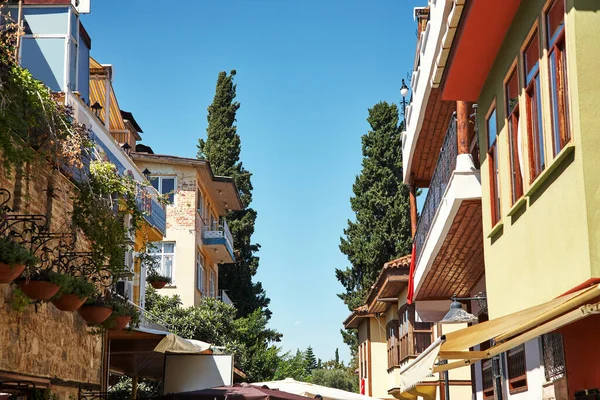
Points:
[(582, 353)]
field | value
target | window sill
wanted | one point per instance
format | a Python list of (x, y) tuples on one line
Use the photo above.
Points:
[(558, 160), (517, 390), (496, 229), (517, 206)]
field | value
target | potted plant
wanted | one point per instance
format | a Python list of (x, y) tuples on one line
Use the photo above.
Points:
[(74, 291), (13, 260), (40, 284), (157, 280), (123, 313), (95, 310)]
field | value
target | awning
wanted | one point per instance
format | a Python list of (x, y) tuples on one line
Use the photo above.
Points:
[(311, 390), (175, 344), (505, 332)]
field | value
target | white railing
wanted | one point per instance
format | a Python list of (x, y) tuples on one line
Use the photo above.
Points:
[(222, 231), (224, 298), (150, 321)]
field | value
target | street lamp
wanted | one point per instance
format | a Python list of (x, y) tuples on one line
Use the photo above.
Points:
[(456, 314), (96, 108), (146, 172), (404, 92)]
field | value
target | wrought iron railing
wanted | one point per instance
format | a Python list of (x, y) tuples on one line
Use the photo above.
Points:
[(445, 166)]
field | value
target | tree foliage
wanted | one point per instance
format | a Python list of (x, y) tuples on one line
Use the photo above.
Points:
[(222, 149), (339, 378), (215, 322), (311, 360), (381, 229)]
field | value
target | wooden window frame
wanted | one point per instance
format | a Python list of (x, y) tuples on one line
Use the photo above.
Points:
[(406, 336), (559, 90), (534, 108), (512, 122), (516, 384), (493, 167)]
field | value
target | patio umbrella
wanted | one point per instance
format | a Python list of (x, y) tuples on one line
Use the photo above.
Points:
[(311, 390), (234, 392)]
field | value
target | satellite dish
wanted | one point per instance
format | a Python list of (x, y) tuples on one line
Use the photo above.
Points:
[(82, 6)]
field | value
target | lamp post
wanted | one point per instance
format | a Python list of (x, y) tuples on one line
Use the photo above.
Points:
[(404, 92), (456, 315), (146, 172), (96, 108)]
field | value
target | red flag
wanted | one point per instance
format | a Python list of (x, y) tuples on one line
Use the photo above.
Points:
[(362, 386), (411, 276)]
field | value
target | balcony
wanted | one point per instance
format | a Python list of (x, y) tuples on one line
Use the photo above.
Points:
[(224, 298), (107, 148), (449, 238), (218, 239), (428, 114)]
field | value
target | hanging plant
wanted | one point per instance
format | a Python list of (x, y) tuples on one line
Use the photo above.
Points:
[(13, 260), (39, 284), (157, 280), (95, 310), (123, 313), (74, 291)]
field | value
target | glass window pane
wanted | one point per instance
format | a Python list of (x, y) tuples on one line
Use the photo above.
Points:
[(532, 56), (492, 129), (168, 266), (512, 92), (154, 182), (555, 21), (155, 248), (169, 248), (168, 185)]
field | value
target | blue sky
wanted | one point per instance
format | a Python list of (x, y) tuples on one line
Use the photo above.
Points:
[(307, 71)]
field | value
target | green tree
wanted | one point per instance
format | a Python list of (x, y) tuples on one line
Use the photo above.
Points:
[(339, 378), (381, 230), (293, 367), (311, 361), (222, 149), (337, 358), (215, 322)]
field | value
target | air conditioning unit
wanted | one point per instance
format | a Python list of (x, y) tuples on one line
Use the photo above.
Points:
[(125, 289)]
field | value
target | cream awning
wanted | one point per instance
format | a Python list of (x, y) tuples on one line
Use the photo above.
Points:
[(175, 344), (506, 332)]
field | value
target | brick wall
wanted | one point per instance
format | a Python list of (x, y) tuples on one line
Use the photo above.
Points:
[(46, 345)]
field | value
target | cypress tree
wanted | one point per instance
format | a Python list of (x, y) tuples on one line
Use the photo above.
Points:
[(222, 149), (381, 230), (311, 360)]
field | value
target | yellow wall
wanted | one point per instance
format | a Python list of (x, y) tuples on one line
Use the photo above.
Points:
[(545, 245), (185, 228), (379, 377), (584, 81)]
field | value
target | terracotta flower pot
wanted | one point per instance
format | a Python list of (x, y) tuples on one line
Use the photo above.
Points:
[(121, 322), (94, 314), (38, 290), (158, 284), (69, 302), (9, 273)]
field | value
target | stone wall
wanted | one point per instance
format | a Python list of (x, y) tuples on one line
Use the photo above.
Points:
[(43, 344)]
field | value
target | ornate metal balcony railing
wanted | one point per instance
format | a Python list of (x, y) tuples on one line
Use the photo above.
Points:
[(221, 231), (445, 166)]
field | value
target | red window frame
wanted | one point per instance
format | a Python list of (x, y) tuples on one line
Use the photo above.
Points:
[(511, 92), (491, 122), (557, 74), (535, 128)]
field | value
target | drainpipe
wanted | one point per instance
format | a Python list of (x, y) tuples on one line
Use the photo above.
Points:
[(19, 24), (447, 385), (413, 205)]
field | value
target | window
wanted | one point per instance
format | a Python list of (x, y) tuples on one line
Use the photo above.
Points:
[(517, 370), (199, 202), (214, 222), (164, 253), (492, 134), (535, 133), (487, 373), (512, 115), (554, 356), (165, 185), (199, 272), (407, 337), (212, 283), (393, 350), (557, 59)]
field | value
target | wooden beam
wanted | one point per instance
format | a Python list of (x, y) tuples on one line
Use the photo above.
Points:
[(462, 127), (413, 205), (462, 355)]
